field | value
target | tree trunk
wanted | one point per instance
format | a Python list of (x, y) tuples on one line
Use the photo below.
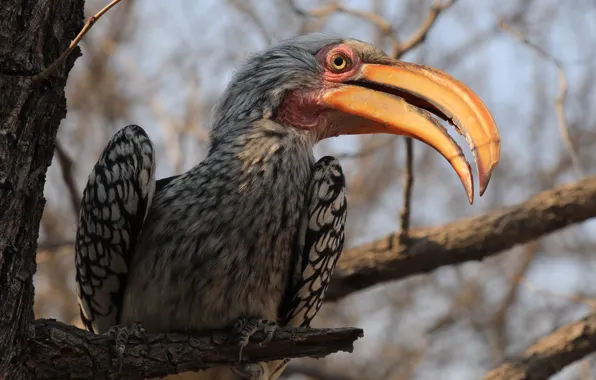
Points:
[(32, 35)]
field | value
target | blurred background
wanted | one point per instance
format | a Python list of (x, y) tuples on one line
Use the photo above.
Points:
[(162, 65)]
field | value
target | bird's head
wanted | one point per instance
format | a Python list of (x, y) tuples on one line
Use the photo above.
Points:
[(327, 87)]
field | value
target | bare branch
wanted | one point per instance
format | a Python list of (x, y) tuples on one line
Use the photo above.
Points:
[(50, 69), (66, 166), (551, 353), (420, 35), (58, 350), (499, 317), (250, 13), (463, 240), (381, 23), (384, 25), (408, 185), (561, 97)]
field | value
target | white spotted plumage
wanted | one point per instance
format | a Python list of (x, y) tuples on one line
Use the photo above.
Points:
[(114, 204)]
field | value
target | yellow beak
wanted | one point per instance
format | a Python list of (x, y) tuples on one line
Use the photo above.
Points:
[(399, 99)]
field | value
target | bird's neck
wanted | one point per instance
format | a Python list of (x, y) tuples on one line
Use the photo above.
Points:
[(267, 157)]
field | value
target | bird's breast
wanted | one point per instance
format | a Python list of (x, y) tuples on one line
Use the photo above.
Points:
[(212, 251)]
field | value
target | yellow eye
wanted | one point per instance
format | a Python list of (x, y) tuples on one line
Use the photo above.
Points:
[(339, 62)]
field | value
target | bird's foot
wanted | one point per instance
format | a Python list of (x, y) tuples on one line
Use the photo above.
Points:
[(251, 371), (120, 334), (245, 328)]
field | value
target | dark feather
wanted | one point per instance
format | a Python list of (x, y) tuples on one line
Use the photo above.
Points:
[(115, 201), (319, 245)]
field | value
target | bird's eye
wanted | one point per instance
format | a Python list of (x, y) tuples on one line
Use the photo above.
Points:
[(338, 62)]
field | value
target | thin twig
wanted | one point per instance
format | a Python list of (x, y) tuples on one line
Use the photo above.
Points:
[(576, 298), (499, 318), (399, 49), (66, 167), (561, 96), (50, 69), (420, 35), (408, 185), (383, 24), (415, 39), (247, 10)]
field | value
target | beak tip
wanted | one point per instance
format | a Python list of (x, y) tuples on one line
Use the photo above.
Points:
[(468, 181), (485, 178)]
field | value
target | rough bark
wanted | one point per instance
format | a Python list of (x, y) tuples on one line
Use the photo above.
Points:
[(550, 353), (32, 35), (427, 249), (59, 351)]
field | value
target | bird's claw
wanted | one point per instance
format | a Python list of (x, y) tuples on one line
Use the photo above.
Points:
[(120, 335), (245, 328)]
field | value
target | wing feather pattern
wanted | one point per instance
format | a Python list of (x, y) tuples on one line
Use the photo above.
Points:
[(320, 242), (319, 245), (115, 201)]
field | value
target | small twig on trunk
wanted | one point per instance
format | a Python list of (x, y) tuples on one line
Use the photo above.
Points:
[(66, 166), (88, 25)]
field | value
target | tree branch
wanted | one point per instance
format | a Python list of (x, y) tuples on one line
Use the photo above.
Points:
[(427, 249), (469, 239), (61, 351), (420, 34), (66, 167), (550, 353), (88, 25), (406, 206)]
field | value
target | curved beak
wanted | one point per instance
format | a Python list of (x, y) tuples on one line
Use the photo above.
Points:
[(399, 99)]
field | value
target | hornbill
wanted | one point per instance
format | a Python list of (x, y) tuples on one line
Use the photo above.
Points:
[(250, 236)]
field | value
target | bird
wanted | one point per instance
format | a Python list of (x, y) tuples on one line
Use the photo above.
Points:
[(249, 237)]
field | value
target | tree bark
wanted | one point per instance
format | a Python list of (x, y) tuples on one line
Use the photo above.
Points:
[(32, 35), (551, 353), (60, 351)]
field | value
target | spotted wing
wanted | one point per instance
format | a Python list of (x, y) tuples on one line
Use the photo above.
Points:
[(320, 242), (318, 247), (114, 205)]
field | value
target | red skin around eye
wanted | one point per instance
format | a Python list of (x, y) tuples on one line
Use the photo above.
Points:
[(304, 110), (325, 54)]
